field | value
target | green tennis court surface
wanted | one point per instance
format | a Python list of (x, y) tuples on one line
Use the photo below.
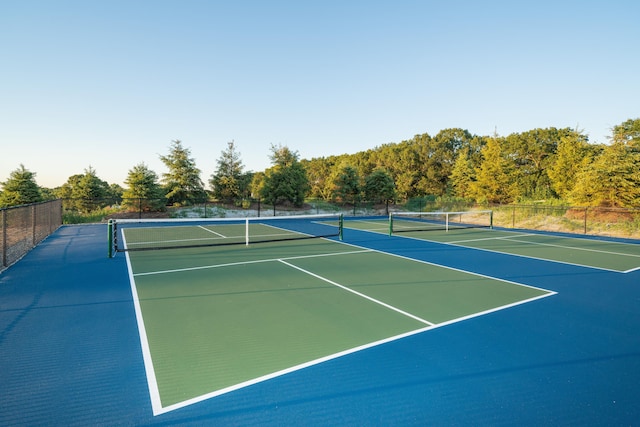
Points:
[(607, 255), (216, 319)]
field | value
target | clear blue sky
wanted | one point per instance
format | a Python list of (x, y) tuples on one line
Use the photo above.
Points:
[(109, 84)]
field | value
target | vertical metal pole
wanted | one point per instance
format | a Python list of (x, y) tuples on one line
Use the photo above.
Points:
[(33, 225), (110, 237), (585, 219), (3, 224), (246, 237)]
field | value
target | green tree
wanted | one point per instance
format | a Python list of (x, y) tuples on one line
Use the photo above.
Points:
[(226, 181), (319, 170), (572, 156), (85, 192), (627, 133), (379, 187), (611, 180), (143, 190), (437, 159), (47, 193), (531, 153), (463, 175), (257, 184), (496, 178), (346, 184), (20, 189), (182, 182), (286, 180), (115, 191)]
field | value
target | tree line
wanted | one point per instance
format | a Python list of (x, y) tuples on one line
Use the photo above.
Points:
[(538, 164)]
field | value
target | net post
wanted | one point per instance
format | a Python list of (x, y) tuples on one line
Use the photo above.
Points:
[(110, 237), (390, 223), (491, 219), (446, 222), (246, 232), (340, 226)]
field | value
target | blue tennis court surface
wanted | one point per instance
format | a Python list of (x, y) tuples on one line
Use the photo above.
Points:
[(71, 353)]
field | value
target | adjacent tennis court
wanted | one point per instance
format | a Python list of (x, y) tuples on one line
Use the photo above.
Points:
[(223, 316), (474, 230)]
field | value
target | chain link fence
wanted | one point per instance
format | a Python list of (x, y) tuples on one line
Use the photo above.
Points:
[(23, 227), (615, 222), (602, 221)]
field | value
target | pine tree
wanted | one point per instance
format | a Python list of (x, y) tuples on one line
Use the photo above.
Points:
[(226, 183), (496, 176), (286, 180), (143, 190), (182, 182), (20, 188)]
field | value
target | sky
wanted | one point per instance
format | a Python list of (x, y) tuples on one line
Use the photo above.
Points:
[(109, 84)]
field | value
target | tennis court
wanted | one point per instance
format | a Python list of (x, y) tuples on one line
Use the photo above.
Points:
[(319, 321), (218, 318), (618, 255)]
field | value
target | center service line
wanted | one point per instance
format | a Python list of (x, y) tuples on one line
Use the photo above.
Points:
[(426, 322)]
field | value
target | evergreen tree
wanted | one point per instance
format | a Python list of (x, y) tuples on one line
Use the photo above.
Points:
[(572, 156), (286, 180), (20, 188), (85, 192), (227, 181), (463, 175), (182, 182), (612, 180), (143, 190), (496, 178)]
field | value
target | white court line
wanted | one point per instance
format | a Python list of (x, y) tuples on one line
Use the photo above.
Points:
[(152, 383), (517, 236), (154, 393), (204, 267), (337, 355), (211, 231), (519, 255), (455, 242), (573, 247), (426, 322)]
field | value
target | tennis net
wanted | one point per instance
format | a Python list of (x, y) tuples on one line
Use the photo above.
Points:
[(427, 221), (149, 234)]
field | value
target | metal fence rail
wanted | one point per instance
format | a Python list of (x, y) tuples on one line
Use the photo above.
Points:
[(23, 227), (603, 221)]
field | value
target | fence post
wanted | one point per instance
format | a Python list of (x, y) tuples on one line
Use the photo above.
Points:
[(585, 219), (3, 224), (33, 225)]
